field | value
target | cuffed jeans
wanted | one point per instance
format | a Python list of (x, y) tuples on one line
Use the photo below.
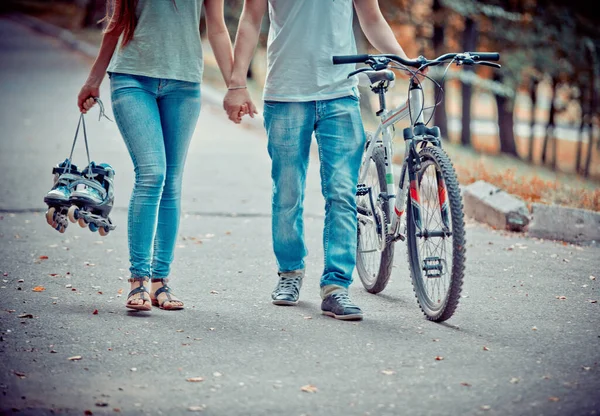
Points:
[(156, 118), (338, 129)]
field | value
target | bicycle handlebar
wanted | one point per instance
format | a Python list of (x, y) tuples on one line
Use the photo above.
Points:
[(466, 58)]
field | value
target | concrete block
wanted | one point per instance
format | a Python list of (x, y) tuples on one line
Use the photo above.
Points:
[(491, 205), (573, 225)]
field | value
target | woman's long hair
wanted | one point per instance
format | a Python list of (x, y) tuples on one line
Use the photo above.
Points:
[(121, 17)]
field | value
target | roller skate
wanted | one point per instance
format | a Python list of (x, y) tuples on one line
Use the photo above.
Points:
[(66, 177), (92, 200)]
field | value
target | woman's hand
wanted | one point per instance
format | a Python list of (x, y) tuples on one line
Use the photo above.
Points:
[(86, 97)]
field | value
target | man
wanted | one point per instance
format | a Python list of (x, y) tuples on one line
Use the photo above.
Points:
[(304, 94)]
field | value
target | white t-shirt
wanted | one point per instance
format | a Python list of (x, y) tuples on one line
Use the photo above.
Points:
[(304, 35)]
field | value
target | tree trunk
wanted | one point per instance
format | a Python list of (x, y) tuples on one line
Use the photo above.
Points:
[(95, 10), (469, 44), (550, 125), (440, 117), (584, 105), (533, 86), (593, 110), (506, 125)]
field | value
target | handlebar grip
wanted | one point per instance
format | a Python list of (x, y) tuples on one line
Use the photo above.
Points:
[(349, 59), (485, 56)]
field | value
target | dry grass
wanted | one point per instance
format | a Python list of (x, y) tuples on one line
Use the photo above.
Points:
[(531, 188)]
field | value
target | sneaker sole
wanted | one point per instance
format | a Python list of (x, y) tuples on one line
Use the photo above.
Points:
[(354, 317), (284, 302)]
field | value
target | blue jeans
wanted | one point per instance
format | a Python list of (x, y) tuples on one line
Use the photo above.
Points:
[(156, 118), (338, 129)]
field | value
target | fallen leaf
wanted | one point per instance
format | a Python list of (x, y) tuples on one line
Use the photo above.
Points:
[(436, 340), (120, 291), (309, 388), (88, 413), (43, 257), (195, 379), (54, 274), (307, 317), (69, 286), (561, 297), (20, 281), (19, 374), (25, 315), (464, 383), (485, 348), (486, 407), (586, 368), (74, 358), (39, 289), (553, 399), (101, 404), (534, 328), (592, 301), (196, 408), (214, 292), (439, 358), (95, 312), (388, 372), (591, 277), (133, 369), (514, 380)]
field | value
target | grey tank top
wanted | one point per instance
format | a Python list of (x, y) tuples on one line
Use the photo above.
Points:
[(166, 42)]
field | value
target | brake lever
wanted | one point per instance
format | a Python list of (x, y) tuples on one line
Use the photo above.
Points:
[(378, 63), (358, 71), (486, 63)]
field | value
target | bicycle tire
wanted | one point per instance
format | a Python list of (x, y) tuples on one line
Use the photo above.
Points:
[(438, 310), (374, 281)]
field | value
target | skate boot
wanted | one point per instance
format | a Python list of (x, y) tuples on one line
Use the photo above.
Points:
[(66, 177), (92, 200)]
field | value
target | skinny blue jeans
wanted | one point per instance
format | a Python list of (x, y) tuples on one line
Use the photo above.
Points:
[(156, 118), (339, 132)]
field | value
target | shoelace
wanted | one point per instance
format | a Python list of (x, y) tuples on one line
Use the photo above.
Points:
[(343, 299), (289, 285)]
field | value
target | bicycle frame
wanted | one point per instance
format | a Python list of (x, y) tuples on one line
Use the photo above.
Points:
[(414, 106)]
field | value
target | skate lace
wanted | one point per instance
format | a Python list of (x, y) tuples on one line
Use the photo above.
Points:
[(81, 123)]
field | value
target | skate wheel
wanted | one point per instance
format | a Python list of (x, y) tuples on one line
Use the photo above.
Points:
[(73, 213), (50, 216), (93, 227), (82, 222), (103, 231), (62, 229)]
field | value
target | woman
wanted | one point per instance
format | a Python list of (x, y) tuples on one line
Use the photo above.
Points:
[(151, 50)]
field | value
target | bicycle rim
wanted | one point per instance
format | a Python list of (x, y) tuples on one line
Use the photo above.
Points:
[(437, 261), (373, 257)]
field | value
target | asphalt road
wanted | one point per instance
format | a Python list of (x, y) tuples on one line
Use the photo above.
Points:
[(524, 341)]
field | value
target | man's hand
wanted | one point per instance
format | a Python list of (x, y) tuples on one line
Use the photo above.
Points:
[(237, 103)]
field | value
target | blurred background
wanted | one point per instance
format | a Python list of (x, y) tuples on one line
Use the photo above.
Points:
[(531, 128)]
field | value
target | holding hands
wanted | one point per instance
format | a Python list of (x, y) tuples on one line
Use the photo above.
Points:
[(237, 103)]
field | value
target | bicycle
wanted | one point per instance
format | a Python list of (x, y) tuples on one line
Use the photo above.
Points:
[(432, 223)]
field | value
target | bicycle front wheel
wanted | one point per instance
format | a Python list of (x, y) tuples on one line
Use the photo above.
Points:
[(436, 235), (374, 257)]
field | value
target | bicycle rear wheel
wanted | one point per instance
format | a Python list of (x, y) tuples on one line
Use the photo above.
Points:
[(436, 246), (374, 257)]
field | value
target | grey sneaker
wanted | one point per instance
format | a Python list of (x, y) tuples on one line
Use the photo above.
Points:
[(287, 290), (339, 306)]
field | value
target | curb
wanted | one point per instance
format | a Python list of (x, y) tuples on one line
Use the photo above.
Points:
[(211, 94)]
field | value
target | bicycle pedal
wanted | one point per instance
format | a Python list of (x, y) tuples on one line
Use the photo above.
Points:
[(362, 190), (433, 267)]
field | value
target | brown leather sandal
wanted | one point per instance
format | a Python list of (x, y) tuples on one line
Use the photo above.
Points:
[(165, 289), (142, 290)]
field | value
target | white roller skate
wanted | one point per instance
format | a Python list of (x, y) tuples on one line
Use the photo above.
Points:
[(93, 198), (66, 177)]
